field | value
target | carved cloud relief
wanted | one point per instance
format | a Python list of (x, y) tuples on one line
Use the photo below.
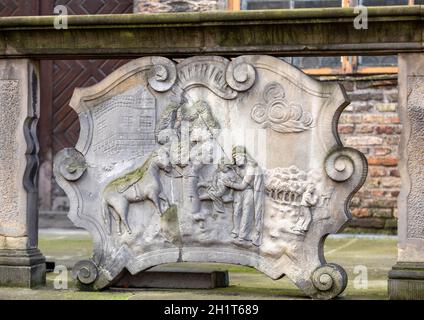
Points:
[(276, 112)]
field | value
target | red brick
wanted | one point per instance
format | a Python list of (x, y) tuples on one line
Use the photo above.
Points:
[(377, 172), (386, 107), (363, 84), (376, 223), (383, 161), (355, 202), (373, 118), (363, 150), (392, 119), (346, 128), (361, 107), (382, 151), (393, 97), (392, 140), (377, 193), (366, 96), (381, 118), (373, 182), (350, 118), (390, 182), (380, 203), (363, 140), (362, 193), (391, 224), (387, 129), (360, 212), (365, 129), (381, 213), (395, 212), (394, 173)]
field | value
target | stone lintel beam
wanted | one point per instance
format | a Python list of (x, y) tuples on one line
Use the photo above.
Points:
[(299, 32), (21, 263)]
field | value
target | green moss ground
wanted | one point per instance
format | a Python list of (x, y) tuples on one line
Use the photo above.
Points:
[(378, 255)]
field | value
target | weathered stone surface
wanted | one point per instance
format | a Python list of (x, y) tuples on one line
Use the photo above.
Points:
[(406, 281), (279, 32), (411, 202), (406, 278), (22, 268), (155, 6), (210, 160), (19, 109)]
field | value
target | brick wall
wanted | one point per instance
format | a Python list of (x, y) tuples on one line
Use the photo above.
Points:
[(371, 124)]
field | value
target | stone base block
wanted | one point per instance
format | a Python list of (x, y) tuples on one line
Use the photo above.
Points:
[(406, 281), (170, 278), (22, 268)]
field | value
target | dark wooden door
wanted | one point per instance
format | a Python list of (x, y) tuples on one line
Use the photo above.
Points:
[(69, 74), (58, 126), (66, 75), (10, 8)]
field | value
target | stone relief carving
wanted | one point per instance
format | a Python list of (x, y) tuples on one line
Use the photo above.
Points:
[(139, 185), (174, 190), (136, 112), (295, 193), (411, 193), (9, 91), (279, 114)]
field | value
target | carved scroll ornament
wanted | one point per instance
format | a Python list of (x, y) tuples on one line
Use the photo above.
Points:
[(154, 179)]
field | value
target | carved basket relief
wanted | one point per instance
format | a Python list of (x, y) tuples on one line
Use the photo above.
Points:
[(210, 160)]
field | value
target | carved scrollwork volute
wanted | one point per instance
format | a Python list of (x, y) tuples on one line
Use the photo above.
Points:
[(85, 271), (330, 280), (70, 164), (341, 163), (240, 75), (162, 75)]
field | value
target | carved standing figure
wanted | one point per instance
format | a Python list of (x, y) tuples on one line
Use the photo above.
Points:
[(248, 198), (309, 199), (139, 185)]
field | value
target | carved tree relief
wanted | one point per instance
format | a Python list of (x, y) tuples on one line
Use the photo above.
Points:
[(210, 160)]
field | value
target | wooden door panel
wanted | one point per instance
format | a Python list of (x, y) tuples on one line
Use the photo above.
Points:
[(67, 75), (9, 8), (58, 126)]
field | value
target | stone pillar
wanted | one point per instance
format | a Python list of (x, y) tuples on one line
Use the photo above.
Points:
[(406, 279), (21, 263)]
